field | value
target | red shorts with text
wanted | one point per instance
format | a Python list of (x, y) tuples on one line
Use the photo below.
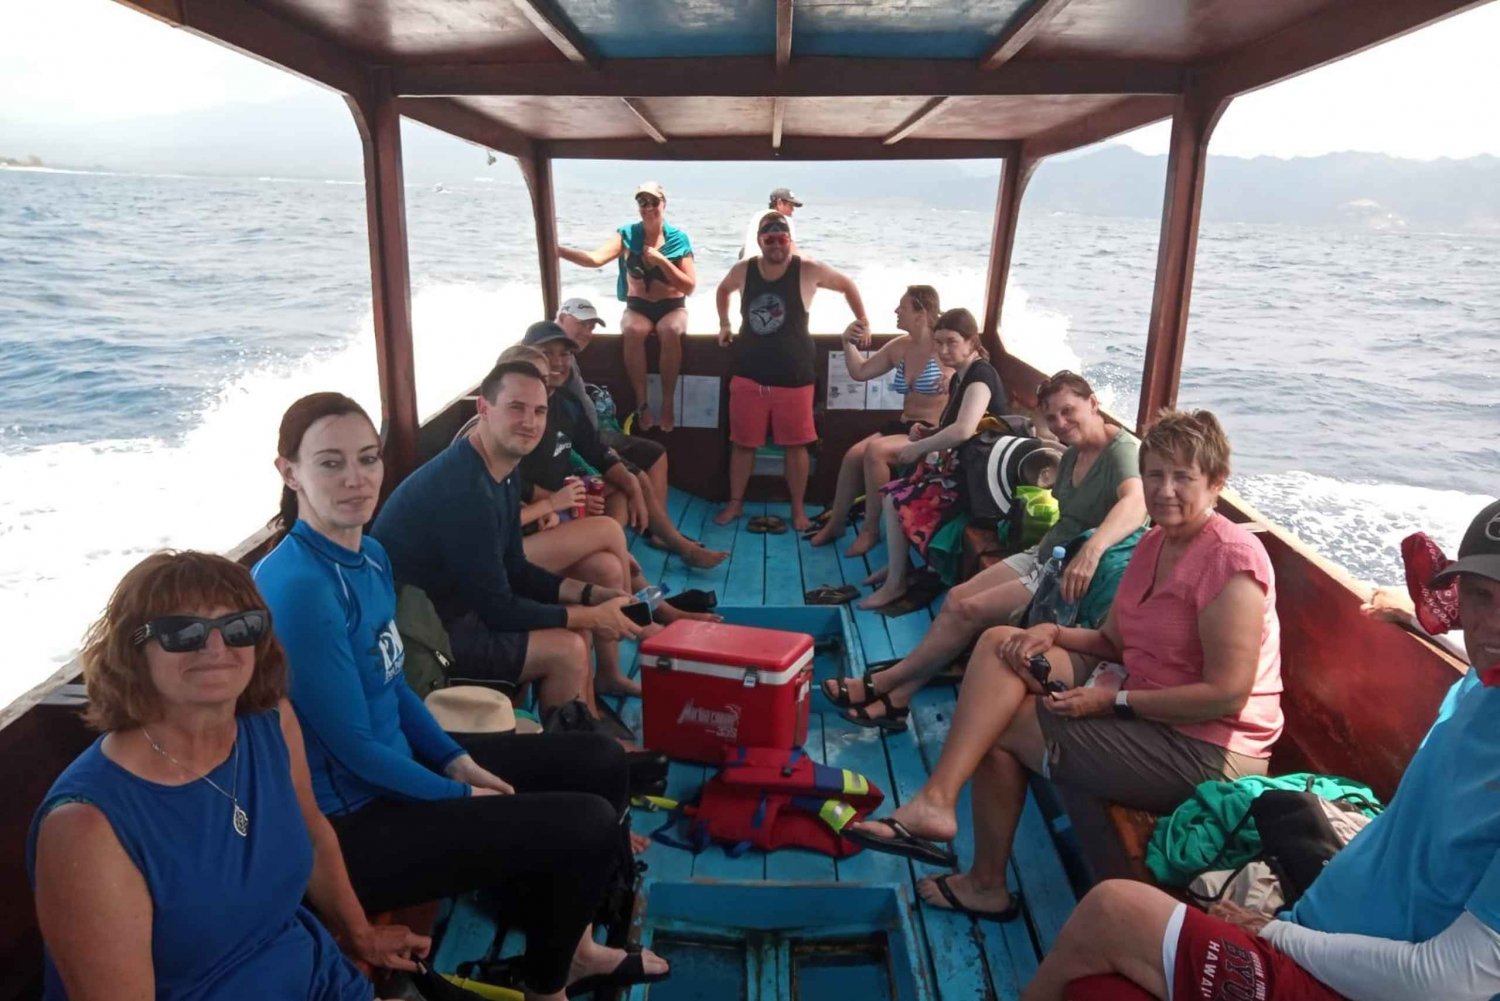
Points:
[(1217, 961), (786, 411)]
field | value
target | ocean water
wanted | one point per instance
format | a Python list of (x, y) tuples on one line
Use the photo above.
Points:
[(153, 329)]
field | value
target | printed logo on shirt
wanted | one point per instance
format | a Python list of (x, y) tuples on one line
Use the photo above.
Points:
[(564, 443), (766, 314), (392, 651)]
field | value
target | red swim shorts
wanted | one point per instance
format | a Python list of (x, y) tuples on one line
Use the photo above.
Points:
[(787, 411), (1217, 961)]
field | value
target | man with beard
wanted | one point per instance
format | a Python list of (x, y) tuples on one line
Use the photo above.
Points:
[(453, 529), (1410, 908), (773, 359)]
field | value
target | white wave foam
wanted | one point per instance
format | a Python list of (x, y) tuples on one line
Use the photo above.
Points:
[(74, 518)]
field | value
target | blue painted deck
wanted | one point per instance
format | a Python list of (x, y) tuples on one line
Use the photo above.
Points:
[(950, 957)]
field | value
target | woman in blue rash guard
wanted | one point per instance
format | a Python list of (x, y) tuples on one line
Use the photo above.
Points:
[(535, 817)]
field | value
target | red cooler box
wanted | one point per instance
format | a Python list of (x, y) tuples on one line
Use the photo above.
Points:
[(709, 685)]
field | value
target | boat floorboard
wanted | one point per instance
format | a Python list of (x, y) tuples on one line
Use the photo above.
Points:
[(960, 960)]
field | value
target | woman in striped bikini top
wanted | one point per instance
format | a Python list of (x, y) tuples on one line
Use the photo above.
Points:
[(868, 464)]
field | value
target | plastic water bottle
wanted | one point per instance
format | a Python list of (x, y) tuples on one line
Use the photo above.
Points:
[(651, 595), (1049, 604)]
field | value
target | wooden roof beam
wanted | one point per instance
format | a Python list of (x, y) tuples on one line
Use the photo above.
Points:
[(1020, 31), (245, 28), (783, 34), (555, 25), (647, 125), (793, 147), (1122, 116), (924, 114), (1335, 32), (468, 124), (808, 76)]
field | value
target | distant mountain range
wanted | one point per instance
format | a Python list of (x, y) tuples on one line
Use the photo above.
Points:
[(314, 137)]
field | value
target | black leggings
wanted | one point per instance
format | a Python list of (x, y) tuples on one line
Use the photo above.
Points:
[(550, 850)]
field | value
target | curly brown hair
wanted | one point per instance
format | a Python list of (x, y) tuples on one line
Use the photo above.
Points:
[(168, 583), (1189, 437)]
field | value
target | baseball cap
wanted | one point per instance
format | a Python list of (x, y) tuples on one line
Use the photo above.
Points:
[(784, 195), (772, 222), (652, 188), (1479, 552), (581, 310), (546, 331)]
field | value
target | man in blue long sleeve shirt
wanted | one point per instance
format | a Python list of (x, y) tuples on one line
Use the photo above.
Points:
[(453, 529)]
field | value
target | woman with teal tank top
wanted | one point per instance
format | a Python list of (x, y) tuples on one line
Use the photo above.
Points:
[(923, 382), (536, 820), (656, 275), (171, 859)]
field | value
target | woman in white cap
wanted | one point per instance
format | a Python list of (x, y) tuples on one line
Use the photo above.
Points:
[(656, 275)]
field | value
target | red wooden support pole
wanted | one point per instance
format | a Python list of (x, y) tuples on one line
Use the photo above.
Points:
[(1014, 174), (1193, 122), (379, 126), (537, 170)]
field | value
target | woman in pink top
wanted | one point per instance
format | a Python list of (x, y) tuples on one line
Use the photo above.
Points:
[(1194, 626)]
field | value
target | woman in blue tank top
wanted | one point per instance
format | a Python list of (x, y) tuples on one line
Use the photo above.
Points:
[(921, 379), (171, 859)]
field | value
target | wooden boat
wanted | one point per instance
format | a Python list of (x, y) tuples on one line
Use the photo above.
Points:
[(1017, 80)]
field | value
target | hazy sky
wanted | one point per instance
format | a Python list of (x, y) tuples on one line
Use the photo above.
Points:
[(1427, 95)]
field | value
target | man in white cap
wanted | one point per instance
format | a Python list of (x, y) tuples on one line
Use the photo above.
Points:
[(646, 458), (656, 275), (1408, 909), (780, 200)]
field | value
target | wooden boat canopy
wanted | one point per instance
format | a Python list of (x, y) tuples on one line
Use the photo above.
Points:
[(755, 79)]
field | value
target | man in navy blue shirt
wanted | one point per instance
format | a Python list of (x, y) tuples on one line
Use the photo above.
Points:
[(453, 529)]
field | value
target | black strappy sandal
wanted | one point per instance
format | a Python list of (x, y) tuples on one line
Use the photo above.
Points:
[(843, 699), (894, 720)]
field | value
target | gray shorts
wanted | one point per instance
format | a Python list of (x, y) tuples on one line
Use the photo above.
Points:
[(1135, 762), (1027, 567)]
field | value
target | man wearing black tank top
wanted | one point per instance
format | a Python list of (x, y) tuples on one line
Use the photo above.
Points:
[(773, 360)]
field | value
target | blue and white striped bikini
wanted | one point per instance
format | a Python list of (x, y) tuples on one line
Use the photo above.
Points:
[(929, 383)]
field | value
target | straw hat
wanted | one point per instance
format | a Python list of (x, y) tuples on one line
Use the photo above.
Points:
[(473, 709)]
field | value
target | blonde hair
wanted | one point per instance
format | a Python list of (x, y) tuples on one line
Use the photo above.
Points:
[(526, 354), (115, 672), (926, 298), (1191, 437)]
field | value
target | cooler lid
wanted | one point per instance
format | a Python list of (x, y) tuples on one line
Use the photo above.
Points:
[(735, 646)]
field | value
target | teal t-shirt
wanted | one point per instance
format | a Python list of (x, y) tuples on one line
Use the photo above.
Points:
[(1435, 851), (1086, 504), (675, 246)]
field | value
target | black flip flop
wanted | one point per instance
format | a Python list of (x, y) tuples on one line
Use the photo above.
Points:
[(631, 971), (894, 720), (774, 524), (829, 594), (904, 843), (921, 591), (843, 699), (694, 600), (757, 525), (999, 917)]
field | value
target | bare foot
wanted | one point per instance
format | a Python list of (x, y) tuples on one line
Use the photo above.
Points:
[(639, 843), (731, 512), (878, 577), (644, 420), (592, 959), (668, 420), (863, 543), (920, 817), (884, 596), (617, 686), (700, 557), (968, 891), (828, 533), (800, 521)]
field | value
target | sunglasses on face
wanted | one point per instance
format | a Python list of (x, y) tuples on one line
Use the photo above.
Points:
[(186, 633), (647, 201), (775, 239)]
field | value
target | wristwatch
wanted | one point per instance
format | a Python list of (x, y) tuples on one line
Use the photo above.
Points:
[(1122, 705)]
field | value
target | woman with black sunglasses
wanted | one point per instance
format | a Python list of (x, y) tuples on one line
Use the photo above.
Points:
[(171, 859), (657, 275), (537, 818)]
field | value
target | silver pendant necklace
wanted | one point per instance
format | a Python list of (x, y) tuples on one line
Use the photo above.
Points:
[(241, 818)]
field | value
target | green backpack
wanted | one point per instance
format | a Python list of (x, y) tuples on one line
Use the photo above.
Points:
[(429, 656)]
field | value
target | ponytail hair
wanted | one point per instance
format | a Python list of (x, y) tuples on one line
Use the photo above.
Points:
[(294, 424), (962, 323)]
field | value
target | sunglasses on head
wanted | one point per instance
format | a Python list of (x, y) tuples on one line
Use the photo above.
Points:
[(647, 201), (186, 633)]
